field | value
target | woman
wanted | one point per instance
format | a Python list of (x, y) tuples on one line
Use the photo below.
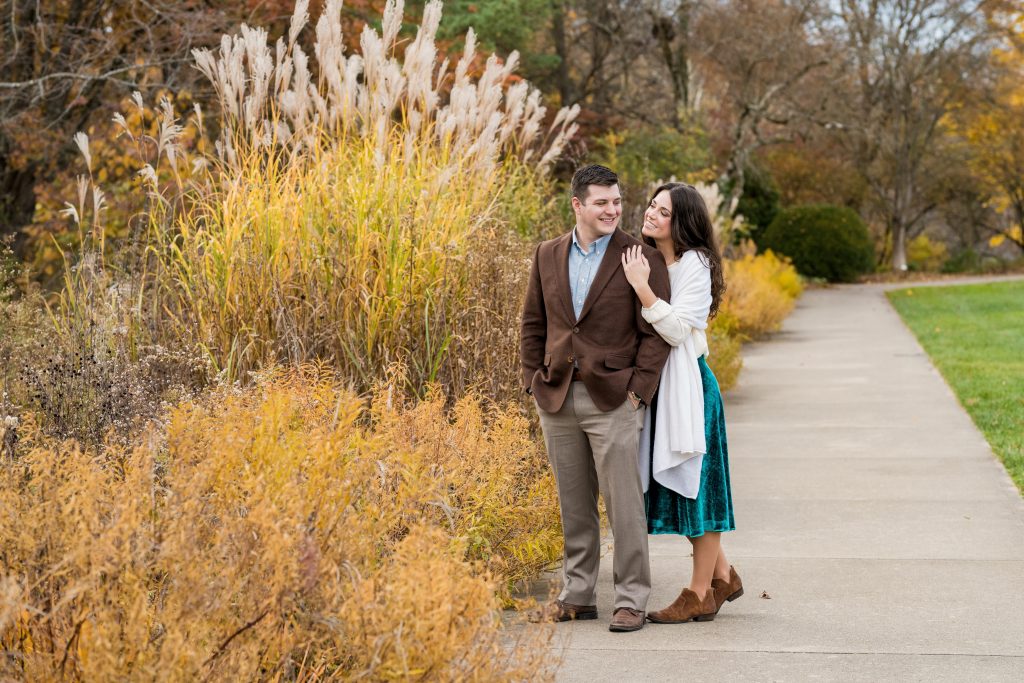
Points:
[(684, 459)]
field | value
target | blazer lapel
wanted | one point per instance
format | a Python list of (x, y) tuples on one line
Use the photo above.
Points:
[(561, 254), (609, 264)]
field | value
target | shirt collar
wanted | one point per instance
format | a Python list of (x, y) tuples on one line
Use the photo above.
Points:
[(597, 246)]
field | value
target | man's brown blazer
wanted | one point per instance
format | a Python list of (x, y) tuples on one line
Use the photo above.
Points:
[(616, 349)]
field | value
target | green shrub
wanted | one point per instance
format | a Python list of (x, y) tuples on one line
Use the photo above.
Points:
[(970, 261), (829, 242), (646, 155), (964, 261), (760, 201)]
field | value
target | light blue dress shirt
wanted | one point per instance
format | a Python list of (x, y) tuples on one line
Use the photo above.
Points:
[(583, 267)]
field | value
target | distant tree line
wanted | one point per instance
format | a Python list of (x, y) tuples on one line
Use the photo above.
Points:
[(910, 112)]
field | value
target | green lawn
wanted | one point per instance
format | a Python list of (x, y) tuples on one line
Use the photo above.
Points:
[(975, 336)]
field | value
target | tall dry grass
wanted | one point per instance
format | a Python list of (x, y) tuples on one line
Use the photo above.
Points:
[(282, 533), (369, 210), (345, 211)]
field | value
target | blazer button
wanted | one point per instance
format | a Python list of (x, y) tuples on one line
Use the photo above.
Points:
[(572, 358), (576, 330)]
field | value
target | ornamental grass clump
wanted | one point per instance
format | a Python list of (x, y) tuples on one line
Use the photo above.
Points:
[(278, 532), (337, 214)]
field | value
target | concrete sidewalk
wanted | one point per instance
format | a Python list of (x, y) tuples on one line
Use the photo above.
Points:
[(869, 508)]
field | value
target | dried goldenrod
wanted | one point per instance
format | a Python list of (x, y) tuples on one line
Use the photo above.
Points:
[(283, 531)]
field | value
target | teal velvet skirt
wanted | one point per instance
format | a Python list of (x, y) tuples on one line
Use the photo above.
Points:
[(670, 513)]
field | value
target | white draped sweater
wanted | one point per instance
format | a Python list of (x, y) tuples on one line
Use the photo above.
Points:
[(676, 455)]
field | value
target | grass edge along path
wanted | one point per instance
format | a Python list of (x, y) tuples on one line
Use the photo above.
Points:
[(974, 334)]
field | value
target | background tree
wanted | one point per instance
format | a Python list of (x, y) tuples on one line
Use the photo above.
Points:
[(671, 28), (763, 53), (904, 110), (624, 63), (992, 125), (67, 65), (814, 169), (906, 63), (504, 26)]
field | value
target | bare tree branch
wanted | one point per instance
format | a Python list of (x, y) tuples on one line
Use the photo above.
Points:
[(75, 76)]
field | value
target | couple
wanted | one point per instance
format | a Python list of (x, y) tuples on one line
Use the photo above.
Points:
[(605, 319)]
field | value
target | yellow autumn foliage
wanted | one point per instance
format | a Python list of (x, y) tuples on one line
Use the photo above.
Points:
[(761, 290), (285, 531), (925, 254), (724, 357)]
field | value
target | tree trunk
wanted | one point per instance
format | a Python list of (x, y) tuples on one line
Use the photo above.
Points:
[(899, 248), (565, 89), (17, 197), (734, 176), (902, 208), (673, 37)]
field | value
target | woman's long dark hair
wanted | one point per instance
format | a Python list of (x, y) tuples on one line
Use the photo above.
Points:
[(692, 230)]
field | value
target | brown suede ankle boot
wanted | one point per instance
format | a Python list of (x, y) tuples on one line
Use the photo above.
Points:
[(687, 607), (727, 591)]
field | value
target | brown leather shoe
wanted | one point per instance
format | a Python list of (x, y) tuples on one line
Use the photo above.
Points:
[(626, 619), (727, 590), (687, 607), (556, 610)]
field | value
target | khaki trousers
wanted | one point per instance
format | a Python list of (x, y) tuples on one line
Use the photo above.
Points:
[(593, 451)]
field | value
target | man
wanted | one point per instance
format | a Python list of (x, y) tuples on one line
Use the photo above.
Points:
[(592, 364)]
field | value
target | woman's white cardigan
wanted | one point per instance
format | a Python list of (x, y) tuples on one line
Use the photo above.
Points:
[(679, 441)]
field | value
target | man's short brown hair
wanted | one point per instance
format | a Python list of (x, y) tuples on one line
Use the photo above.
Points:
[(595, 174)]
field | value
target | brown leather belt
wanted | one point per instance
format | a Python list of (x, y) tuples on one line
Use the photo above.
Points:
[(576, 375)]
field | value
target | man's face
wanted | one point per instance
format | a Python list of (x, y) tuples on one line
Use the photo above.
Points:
[(599, 213)]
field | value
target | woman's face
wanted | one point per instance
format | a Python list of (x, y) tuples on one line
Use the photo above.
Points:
[(658, 218)]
